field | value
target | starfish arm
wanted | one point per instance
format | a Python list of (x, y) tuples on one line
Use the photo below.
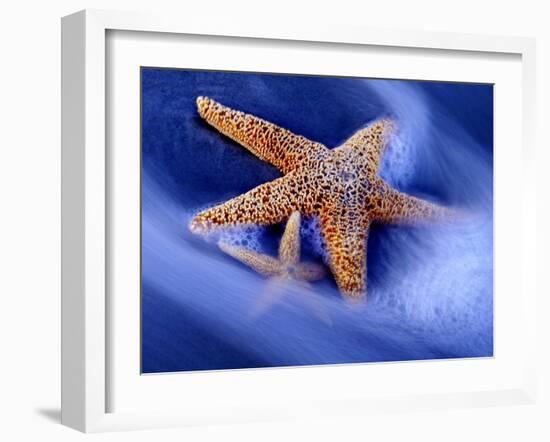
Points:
[(269, 142), (289, 248), (269, 203), (399, 208), (264, 264), (345, 239), (309, 271), (372, 140)]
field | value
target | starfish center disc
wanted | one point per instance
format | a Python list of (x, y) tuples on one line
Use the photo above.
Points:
[(348, 176)]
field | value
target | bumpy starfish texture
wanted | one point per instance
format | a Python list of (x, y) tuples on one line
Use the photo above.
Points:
[(341, 186)]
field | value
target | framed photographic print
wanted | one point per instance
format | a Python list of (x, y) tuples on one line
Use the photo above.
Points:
[(268, 223), (278, 231)]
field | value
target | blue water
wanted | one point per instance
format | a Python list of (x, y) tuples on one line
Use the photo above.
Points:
[(430, 288)]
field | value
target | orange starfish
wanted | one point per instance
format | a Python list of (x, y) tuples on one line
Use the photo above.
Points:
[(341, 186)]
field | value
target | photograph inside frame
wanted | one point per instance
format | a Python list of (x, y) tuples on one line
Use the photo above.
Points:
[(295, 220)]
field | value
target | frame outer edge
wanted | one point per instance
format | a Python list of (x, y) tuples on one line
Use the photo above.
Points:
[(135, 21), (73, 80), (529, 212), (83, 189), (83, 199), (95, 223)]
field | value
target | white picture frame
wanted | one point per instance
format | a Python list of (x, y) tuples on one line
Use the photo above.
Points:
[(86, 204)]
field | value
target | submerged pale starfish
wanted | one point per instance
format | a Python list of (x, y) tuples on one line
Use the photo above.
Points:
[(341, 186), (286, 268), (287, 265)]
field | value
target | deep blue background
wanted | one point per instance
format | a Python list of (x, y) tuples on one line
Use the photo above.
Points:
[(430, 290)]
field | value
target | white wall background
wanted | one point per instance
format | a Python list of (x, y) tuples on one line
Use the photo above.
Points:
[(30, 216)]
